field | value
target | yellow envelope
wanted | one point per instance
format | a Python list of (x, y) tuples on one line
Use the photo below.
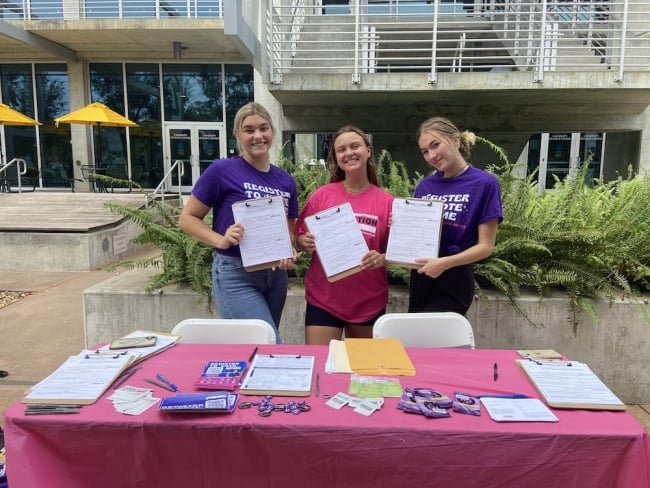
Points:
[(379, 356)]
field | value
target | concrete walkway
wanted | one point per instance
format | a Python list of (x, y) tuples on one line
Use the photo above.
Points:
[(40, 331)]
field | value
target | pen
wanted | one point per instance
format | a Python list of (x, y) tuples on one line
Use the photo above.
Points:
[(125, 376), (252, 354), (317, 389), (496, 371), (167, 382), (158, 383)]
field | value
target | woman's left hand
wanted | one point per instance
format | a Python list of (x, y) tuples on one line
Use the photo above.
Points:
[(373, 260)]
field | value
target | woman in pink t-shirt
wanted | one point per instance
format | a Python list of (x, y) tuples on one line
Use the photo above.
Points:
[(352, 303)]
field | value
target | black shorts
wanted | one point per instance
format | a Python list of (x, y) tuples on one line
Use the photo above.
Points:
[(452, 291), (317, 316)]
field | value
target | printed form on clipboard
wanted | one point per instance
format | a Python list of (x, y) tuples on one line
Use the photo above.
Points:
[(266, 237), (340, 244), (279, 374), (415, 231)]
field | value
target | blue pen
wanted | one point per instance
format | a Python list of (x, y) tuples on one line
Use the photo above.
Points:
[(167, 382)]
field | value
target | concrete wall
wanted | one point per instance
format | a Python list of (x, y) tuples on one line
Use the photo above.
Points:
[(67, 251), (616, 348)]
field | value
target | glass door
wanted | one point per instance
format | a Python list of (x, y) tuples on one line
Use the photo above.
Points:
[(196, 145)]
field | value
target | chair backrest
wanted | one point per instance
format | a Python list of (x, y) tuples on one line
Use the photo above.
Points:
[(225, 331), (429, 329)]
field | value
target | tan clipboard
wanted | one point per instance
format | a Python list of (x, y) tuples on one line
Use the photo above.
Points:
[(322, 216), (406, 231), (283, 237), (569, 369)]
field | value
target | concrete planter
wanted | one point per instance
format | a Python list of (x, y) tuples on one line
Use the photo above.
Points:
[(617, 349)]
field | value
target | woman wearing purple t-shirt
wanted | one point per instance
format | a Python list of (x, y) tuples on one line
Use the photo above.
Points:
[(471, 217), (352, 303), (237, 293)]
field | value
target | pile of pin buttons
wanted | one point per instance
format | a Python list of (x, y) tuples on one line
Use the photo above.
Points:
[(266, 407)]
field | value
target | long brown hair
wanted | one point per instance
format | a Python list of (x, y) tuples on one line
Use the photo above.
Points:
[(337, 174)]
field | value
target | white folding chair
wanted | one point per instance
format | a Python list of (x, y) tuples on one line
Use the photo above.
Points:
[(430, 329), (225, 331)]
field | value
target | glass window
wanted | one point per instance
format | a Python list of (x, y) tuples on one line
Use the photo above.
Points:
[(192, 92), (52, 97), (107, 87), (17, 90), (143, 92), (239, 91)]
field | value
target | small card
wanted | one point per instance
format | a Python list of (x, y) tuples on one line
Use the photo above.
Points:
[(539, 353), (221, 375), (338, 401)]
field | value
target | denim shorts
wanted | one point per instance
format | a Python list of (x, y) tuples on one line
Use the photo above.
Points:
[(240, 294)]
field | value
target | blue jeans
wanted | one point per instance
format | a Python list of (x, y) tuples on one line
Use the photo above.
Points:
[(239, 294)]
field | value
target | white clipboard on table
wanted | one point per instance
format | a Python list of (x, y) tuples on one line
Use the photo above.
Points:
[(340, 244), (266, 237), (415, 231)]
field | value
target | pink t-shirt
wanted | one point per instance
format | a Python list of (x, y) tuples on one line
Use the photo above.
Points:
[(363, 295)]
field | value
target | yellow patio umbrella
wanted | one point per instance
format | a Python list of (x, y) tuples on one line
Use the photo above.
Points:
[(95, 114), (9, 116)]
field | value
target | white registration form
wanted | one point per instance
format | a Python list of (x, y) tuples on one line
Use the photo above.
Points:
[(266, 237), (339, 241), (415, 231), (517, 410)]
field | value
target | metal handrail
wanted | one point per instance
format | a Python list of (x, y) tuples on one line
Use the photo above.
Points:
[(534, 36), (21, 169), (179, 166)]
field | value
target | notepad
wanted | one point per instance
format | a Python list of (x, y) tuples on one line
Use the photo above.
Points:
[(283, 375)]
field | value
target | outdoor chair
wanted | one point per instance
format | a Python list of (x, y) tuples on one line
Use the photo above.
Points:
[(429, 329), (225, 331), (89, 173)]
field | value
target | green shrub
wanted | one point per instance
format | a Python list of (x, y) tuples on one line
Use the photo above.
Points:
[(588, 239)]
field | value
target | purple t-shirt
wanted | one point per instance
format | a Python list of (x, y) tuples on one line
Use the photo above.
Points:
[(471, 199), (231, 180)]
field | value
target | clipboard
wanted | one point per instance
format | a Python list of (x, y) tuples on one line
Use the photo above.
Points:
[(340, 244), (266, 237), (279, 374), (81, 379), (415, 231), (569, 384)]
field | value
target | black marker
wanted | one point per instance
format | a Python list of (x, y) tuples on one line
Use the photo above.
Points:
[(252, 356)]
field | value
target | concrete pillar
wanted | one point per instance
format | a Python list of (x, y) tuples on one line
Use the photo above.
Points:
[(644, 156), (80, 135), (274, 107)]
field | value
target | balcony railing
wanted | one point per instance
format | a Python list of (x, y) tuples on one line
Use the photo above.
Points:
[(109, 9), (370, 36)]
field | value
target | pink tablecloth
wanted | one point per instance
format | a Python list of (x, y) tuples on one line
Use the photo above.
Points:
[(327, 447)]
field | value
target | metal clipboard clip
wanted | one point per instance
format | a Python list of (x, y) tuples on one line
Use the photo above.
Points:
[(250, 203), (428, 203), (327, 213)]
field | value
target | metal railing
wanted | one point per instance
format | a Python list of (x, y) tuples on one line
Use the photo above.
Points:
[(456, 36), (179, 166), (21, 170), (109, 9)]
